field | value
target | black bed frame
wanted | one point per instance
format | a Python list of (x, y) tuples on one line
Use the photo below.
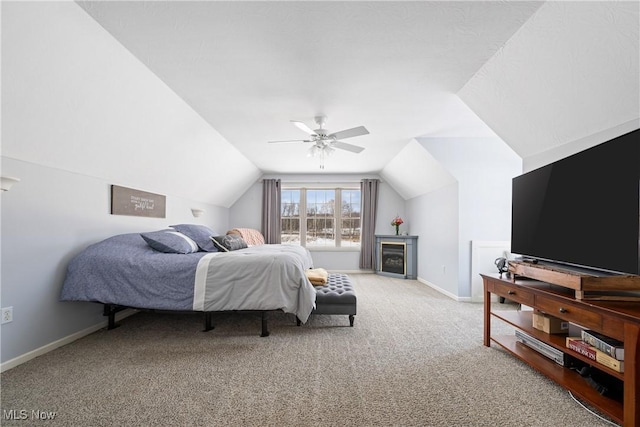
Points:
[(110, 310)]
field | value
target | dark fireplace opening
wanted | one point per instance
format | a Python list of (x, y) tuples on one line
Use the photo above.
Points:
[(392, 257)]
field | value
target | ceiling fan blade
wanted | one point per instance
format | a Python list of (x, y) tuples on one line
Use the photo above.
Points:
[(303, 127), (350, 133), (290, 140), (349, 147)]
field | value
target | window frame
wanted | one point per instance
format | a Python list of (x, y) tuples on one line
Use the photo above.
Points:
[(337, 214)]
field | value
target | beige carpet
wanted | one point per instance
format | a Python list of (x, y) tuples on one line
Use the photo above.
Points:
[(413, 358)]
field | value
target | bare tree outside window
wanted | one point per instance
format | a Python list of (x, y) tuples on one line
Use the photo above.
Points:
[(321, 218), (290, 216), (350, 224)]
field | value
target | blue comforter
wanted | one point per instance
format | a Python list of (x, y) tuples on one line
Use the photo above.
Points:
[(124, 270)]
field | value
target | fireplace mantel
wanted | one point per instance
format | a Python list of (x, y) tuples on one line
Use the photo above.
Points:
[(397, 256)]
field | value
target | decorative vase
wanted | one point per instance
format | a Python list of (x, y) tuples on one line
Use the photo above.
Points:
[(397, 229)]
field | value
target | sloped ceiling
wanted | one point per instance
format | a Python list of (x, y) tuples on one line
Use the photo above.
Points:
[(538, 74), (571, 71), (74, 99), (414, 165), (248, 68)]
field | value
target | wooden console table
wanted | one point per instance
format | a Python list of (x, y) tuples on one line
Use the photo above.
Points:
[(616, 319)]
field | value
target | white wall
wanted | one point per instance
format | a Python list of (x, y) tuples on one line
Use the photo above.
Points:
[(80, 113), (390, 204), (246, 212), (435, 219), (483, 168)]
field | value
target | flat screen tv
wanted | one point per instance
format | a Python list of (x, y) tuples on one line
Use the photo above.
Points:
[(583, 210)]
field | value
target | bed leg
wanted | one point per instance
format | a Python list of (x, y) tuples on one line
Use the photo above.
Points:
[(298, 322), (351, 319), (112, 321), (111, 310), (207, 322), (265, 331)]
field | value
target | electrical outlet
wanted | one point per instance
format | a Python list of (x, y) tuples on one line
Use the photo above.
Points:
[(7, 315)]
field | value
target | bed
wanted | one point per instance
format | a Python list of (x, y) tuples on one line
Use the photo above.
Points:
[(125, 271)]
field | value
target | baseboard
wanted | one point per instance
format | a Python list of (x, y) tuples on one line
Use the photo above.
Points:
[(351, 271), (444, 292), (9, 364)]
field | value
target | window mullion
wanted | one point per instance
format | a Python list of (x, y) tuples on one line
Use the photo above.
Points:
[(303, 217), (337, 220)]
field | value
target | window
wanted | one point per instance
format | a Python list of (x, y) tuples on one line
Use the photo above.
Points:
[(290, 216), (321, 217)]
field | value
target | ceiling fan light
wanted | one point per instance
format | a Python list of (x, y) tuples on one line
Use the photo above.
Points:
[(313, 151), (329, 150)]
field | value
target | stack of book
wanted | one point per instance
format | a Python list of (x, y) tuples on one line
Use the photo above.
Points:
[(602, 349)]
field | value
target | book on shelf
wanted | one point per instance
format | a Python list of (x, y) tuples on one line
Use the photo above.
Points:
[(576, 344), (609, 362), (610, 346), (582, 347)]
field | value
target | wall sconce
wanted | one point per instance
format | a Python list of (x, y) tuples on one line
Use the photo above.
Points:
[(197, 212), (6, 182)]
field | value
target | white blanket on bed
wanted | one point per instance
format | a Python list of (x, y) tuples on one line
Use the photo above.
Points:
[(265, 277)]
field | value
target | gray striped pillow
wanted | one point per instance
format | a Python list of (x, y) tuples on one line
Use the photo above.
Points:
[(170, 241)]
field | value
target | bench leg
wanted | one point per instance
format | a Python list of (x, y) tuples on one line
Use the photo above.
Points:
[(351, 319)]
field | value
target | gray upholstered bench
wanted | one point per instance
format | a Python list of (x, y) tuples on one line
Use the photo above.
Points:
[(336, 297)]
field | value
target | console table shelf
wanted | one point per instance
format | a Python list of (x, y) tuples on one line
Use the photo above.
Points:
[(617, 319), (523, 321), (567, 378)]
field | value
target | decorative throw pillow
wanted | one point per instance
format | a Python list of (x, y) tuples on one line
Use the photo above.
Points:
[(250, 235), (230, 242), (217, 241), (170, 241), (200, 234)]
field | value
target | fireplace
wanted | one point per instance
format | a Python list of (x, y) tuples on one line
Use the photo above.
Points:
[(393, 257), (396, 256)]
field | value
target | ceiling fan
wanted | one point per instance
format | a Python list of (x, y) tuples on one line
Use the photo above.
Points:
[(325, 142)]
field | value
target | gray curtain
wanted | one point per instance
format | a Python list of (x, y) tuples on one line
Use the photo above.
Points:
[(369, 194), (271, 227)]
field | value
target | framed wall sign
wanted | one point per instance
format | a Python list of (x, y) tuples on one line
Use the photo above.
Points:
[(128, 201)]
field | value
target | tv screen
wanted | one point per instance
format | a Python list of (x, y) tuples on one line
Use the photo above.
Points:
[(583, 210)]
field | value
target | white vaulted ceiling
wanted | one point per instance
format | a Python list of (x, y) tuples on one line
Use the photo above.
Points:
[(207, 83), (248, 68), (570, 72)]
